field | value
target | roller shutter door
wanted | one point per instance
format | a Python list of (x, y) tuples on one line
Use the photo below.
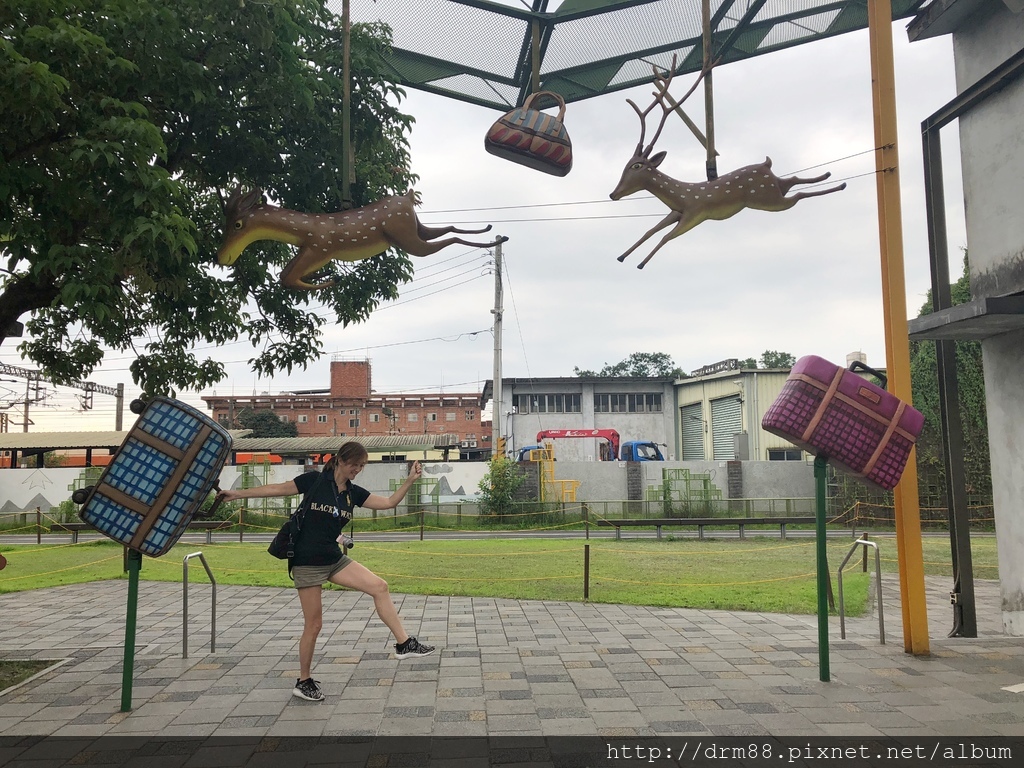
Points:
[(692, 426), (726, 421)]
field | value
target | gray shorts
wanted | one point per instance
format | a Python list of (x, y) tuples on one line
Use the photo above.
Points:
[(317, 575)]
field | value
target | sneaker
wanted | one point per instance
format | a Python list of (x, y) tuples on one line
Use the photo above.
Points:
[(412, 647), (308, 689)]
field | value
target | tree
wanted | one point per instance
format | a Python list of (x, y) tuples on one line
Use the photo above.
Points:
[(772, 359), (124, 123), (498, 487), (639, 364), (265, 423), (971, 387)]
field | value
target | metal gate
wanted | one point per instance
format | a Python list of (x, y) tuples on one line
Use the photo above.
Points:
[(726, 421), (692, 426)]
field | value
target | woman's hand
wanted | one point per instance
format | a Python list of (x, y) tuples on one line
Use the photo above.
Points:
[(229, 495), (415, 471)]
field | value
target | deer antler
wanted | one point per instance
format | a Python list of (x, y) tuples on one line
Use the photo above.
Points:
[(667, 103)]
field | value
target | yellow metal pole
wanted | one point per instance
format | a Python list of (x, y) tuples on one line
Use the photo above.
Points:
[(894, 304)]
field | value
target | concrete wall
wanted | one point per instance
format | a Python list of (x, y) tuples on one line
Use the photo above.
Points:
[(992, 158), (22, 490)]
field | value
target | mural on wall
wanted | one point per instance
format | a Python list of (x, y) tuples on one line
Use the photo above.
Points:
[(22, 490)]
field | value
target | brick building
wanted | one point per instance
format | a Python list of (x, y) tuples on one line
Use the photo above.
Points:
[(351, 409)]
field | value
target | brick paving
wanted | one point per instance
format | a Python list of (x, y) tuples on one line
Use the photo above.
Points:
[(503, 668)]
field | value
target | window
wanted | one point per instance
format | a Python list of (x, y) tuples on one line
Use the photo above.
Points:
[(303, 418), (431, 417), (546, 403), (283, 418), (321, 418), (223, 418), (374, 418), (351, 411), (470, 415), (646, 402), (450, 416), (785, 454), (353, 422), (414, 417)]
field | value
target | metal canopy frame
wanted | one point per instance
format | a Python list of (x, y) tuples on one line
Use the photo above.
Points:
[(494, 54)]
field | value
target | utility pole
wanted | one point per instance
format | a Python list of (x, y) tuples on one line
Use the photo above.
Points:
[(496, 403)]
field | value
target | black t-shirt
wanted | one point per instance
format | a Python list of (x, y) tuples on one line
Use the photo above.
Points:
[(328, 510)]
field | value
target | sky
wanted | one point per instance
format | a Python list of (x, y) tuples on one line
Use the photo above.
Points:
[(803, 281)]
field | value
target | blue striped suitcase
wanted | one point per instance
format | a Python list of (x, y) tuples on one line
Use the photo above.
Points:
[(159, 477)]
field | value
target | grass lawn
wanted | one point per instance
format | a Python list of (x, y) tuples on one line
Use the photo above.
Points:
[(756, 574)]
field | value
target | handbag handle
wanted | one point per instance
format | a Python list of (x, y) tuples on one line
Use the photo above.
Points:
[(857, 364), (551, 94)]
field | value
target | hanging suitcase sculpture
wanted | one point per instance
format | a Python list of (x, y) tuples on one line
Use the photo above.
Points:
[(158, 479), (529, 137), (859, 427)]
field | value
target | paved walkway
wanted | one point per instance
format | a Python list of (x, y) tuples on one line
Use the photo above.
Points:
[(503, 667)]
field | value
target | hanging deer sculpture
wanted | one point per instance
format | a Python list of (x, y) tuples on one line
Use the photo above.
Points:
[(347, 235), (754, 186)]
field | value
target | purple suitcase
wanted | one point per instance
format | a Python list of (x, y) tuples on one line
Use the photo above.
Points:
[(859, 427)]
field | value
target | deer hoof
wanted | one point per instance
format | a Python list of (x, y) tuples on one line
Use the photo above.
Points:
[(622, 257)]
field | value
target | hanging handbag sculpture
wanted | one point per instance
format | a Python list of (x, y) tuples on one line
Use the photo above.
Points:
[(529, 137), (861, 429)]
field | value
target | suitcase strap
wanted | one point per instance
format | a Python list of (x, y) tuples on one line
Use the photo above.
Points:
[(171, 487), (892, 425), (826, 400), (884, 442)]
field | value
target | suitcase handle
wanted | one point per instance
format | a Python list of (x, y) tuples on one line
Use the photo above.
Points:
[(857, 364), (217, 501)]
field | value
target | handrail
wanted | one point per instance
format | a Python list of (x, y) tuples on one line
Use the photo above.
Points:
[(878, 586), (184, 604)]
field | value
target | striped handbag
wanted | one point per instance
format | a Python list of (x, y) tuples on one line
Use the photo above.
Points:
[(529, 137)]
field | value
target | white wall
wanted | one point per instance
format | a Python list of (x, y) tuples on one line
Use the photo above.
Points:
[(992, 157)]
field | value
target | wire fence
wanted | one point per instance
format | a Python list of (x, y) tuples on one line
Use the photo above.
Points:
[(531, 516)]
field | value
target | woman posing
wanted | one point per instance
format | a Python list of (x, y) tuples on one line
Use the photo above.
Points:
[(330, 496)]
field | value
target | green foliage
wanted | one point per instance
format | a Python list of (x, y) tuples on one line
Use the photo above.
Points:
[(638, 364), (498, 487), (124, 123), (265, 423), (971, 389), (772, 359)]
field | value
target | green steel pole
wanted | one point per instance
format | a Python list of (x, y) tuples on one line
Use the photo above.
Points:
[(134, 566), (820, 465)]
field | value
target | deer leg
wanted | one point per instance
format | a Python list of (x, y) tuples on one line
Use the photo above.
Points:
[(429, 233), (684, 226), (428, 247), (305, 262), (786, 184), (801, 195), (672, 218)]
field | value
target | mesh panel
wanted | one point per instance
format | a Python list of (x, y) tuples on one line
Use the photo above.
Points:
[(619, 33), (791, 31), (469, 37), (482, 54)]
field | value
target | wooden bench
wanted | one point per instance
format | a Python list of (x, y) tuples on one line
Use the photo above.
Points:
[(701, 522), (196, 525)]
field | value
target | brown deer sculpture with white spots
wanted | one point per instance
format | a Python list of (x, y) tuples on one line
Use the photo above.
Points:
[(349, 235), (754, 186)]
